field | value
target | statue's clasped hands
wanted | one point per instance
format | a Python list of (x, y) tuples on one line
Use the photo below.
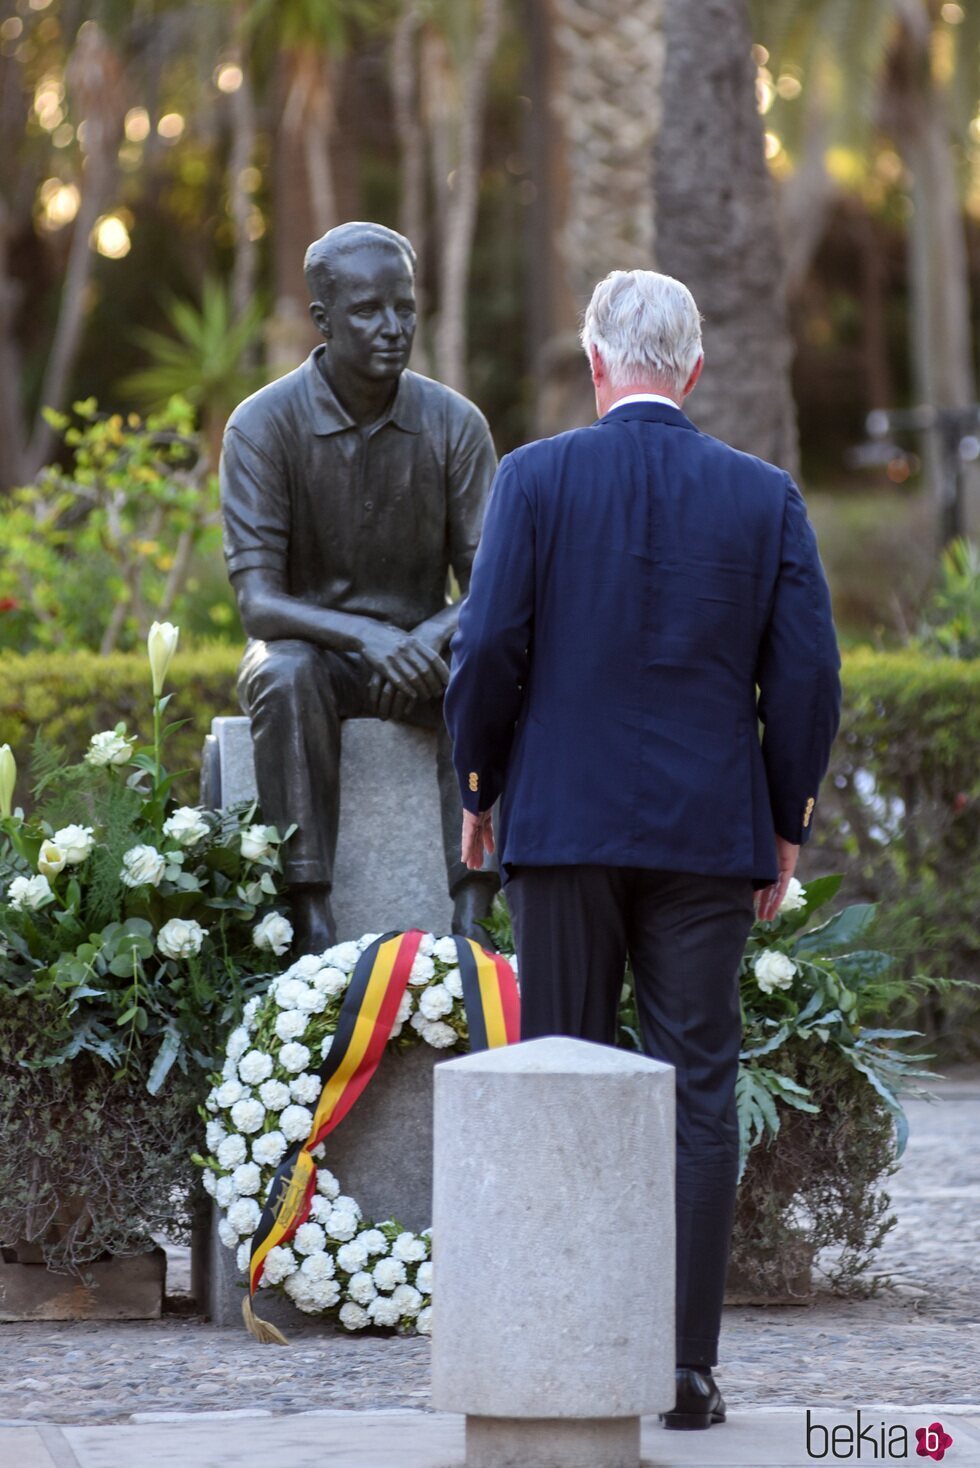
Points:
[(406, 667)]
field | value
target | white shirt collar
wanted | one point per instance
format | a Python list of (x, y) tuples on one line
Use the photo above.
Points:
[(644, 397)]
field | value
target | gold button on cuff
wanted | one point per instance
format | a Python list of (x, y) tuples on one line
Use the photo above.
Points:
[(808, 812), (474, 781)]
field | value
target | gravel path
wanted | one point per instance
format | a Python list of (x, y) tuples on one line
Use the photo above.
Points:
[(916, 1341)]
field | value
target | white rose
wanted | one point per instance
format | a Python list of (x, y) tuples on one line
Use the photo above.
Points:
[(388, 1273), (305, 1088), (423, 1323), (280, 1263), (383, 1311), (269, 1149), (243, 1255), (237, 1043), (254, 1067), (181, 937), (342, 955), (423, 970), (214, 1135), (795, 896), (251, 1010), (294, 1057), (108, 748), (29, 893), (306, 967), (453, 981), (353, 1256), (274, 1095), (350, 1205), (232, 1150), (248, 1116), (407, 1300), (352, 1317), (290, 1024), (296, 1122), (227, 1235), (438, 1035), (77, 843), (341, 1225), (143, 866), (435, 1001), (320, 1208), (423, 1277), (229, 1068), (274, 933), (312, 1002), (300, 1291), (374, 1241), (256, 843), (445, 950), (244, 1215), (427, 944), (326, 1045), (309, 1239), (225, 1193), (323, 1292), (773, 970), (50, 859), (409, 1248), (331, 982), (186, 826), (326, 1184), (227, 1094), (210, 1182), (318, 1267), (247, 1179), (362, 1288)]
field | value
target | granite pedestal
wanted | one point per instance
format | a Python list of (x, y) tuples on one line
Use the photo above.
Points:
[(553, 1226), (390, 866)]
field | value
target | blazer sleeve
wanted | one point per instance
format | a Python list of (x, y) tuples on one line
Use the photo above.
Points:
[(798, 675), (491, 648)]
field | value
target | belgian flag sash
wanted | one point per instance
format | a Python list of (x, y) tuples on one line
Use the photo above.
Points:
[(367, 1016)]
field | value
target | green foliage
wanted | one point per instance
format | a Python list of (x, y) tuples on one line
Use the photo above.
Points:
[(201, 359), (951, 619), (89, 555), (69, 696), (900, 811)]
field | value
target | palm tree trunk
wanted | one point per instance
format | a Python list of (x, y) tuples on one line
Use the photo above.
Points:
[(717, 228)]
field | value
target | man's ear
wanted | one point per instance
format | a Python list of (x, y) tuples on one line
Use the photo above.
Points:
[(321, 318), (599, 373), (692, 381)]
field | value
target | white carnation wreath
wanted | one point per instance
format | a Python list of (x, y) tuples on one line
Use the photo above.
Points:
[(263, 1102)]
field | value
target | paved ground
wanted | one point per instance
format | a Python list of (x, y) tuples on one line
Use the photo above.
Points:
[(916, 1345)]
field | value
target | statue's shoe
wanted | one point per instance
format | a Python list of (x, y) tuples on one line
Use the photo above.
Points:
[(698, 1404)]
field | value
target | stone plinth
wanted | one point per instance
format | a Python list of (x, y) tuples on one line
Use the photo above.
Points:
[(390, 867), (553, 1225), (128, 1288), (381, 1154)]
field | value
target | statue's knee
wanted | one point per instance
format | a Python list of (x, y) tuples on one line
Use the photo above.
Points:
[(286, 669)]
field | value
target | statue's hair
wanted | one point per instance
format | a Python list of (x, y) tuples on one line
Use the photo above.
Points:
[(645, 326), (320, 264)]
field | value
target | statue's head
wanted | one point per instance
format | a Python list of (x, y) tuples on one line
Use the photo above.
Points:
[(361, 279)]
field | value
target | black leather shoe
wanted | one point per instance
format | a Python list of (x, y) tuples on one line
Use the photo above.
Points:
[(699, 1403)]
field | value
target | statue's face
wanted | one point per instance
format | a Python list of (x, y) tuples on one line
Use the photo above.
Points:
[(369, 323)]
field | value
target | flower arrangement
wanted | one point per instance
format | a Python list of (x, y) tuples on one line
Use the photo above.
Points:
[(129, 919), (263, 1101)]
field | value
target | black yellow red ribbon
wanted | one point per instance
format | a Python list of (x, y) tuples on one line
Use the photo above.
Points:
[(364, 1026)]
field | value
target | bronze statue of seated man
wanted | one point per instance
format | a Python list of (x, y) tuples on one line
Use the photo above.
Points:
[(349, 488)]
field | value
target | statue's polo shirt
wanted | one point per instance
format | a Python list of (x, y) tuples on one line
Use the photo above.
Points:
[(363, 520)]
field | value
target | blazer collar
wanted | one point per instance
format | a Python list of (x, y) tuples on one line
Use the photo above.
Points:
[(327, 415), (651, 412)]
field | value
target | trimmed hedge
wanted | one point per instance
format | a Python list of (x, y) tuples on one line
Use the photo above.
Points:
[(71, 696)]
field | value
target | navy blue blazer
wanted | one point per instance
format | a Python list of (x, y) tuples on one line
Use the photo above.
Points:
[(642, 597)]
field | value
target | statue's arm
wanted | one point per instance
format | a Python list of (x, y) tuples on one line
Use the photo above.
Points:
[(269, 612)]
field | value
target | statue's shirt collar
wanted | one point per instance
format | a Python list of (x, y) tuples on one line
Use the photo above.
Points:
[(327, 415)]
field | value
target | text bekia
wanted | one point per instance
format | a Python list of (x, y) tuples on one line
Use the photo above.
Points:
[(872, 1441)]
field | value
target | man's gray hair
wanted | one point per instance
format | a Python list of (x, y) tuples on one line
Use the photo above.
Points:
[(644, 326)]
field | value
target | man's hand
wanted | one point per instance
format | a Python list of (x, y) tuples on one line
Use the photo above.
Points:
[(768, 899), (477, 838), (402, 660)]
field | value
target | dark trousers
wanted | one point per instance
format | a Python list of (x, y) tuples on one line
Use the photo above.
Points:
[(574, 927), (297, 695)]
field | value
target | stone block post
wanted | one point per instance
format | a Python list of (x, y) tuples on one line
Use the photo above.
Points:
[(553, 1247)]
